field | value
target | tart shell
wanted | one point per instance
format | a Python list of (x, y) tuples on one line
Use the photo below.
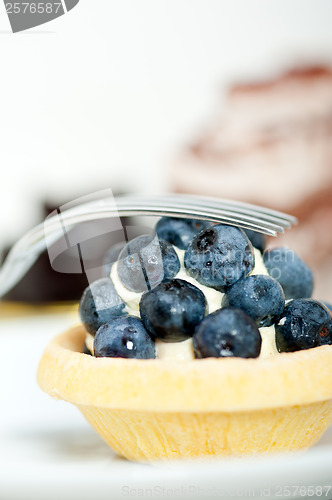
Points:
[(155, 409)]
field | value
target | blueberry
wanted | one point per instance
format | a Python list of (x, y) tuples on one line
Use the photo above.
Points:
[(227, 332), (100, 303), (124, 337), (260, 296), (305, 323), (180, 232), (219, 256), (111, 256), (293, 274), (258, 240), (172, 310), (145, 261)]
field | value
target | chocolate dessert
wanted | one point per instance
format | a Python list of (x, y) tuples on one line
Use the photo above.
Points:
[(65, 279)]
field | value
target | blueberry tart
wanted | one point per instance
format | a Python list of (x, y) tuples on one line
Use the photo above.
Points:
[(198, 350)]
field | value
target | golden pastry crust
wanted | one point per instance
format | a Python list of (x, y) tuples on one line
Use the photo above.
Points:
[(157, 409), (204, 385), (148, 435)]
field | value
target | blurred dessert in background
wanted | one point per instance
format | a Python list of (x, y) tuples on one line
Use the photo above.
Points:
[(272, 145), (41, 284)]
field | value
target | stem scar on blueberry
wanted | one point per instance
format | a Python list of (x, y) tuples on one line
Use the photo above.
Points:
[(206, 240), (226, 345)]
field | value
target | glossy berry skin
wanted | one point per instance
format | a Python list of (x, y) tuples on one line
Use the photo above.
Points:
[(180, 232), (305, 323), (227, 332), (145, 261), (171, 311), (124, 337), (100, 303), (290, 271), (260, 296), (112, 256), (258, 240), (219, 256)]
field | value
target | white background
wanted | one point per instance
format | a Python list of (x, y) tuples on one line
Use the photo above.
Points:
[(106, 95)]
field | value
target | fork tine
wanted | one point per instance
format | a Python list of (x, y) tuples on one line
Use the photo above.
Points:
[(125, 208), (175, 205), (185, 213), (273, 216), (245, 208), (210, 216), (243, 205), (213, 214), (269, 221)]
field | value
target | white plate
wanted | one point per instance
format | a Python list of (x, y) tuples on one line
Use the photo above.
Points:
[(48, 451)]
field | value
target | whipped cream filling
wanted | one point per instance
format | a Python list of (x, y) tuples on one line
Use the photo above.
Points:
[(213, 297), (184, 350), (89, 342)]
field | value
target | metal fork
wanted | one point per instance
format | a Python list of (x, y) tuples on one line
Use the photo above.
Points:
[(26, 251)]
